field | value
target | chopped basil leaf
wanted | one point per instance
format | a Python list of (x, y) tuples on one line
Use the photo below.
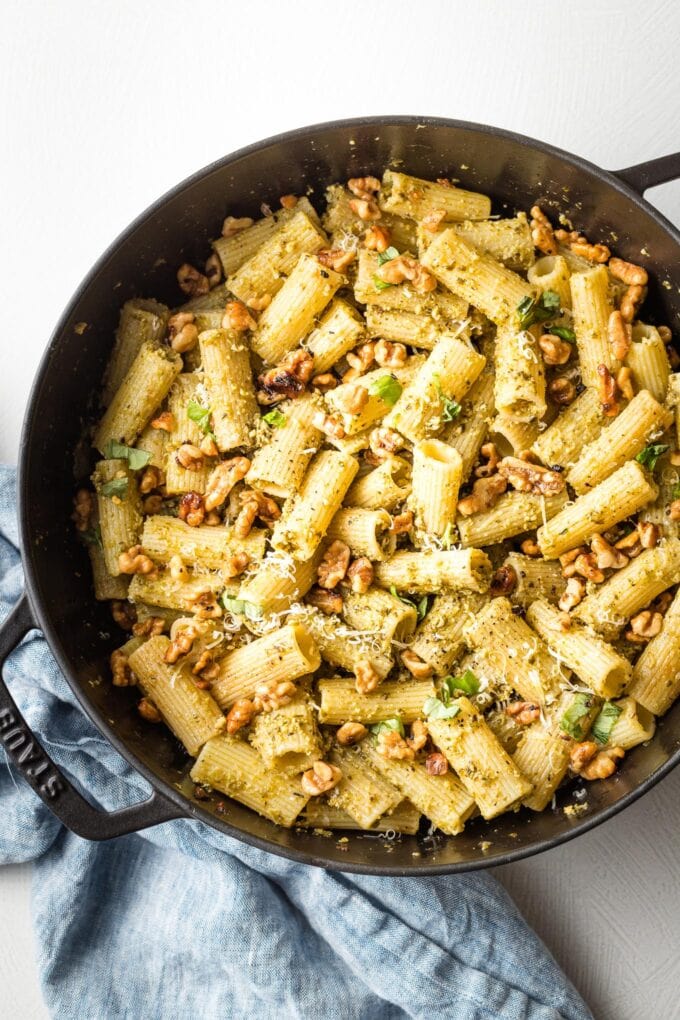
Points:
[(93, 536), (571, 720), (604, 723), (436, 709), (530, 311), (402, 598), (137, 459), (394, 725), (387, 388), (451, 409), (116, 487), (447, 537), (201, 416), (387, 256), (275, 418), (381, 284), (423, 607), (241, 607), (564, 333), (649, 456), (467, 683)]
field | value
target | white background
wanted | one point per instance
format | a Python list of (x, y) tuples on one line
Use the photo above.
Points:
[(105, 106)]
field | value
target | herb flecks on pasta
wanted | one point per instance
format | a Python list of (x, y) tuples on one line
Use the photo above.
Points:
[(389, 509)]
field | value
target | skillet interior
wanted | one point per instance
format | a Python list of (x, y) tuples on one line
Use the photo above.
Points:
[(143, 262)]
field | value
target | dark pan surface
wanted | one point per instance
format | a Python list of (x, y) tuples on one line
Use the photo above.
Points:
[(142, 262)]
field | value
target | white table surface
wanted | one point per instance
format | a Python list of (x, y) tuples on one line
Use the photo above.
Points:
[(105, 106)]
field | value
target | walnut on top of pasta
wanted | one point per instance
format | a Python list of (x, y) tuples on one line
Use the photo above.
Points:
[(389, 508)]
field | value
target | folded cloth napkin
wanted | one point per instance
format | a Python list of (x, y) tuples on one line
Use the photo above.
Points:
[(180, 921)]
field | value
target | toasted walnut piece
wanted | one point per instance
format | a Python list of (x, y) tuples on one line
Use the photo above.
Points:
[(204, 605), (406, 268), (592, 252), (333, 565), (245, 520), (191, 282), (644, 626), (321, 778), (213, 269), (288, 201), (436, 764), (353, 399), (177, 568), (190, 457), (329, 424), (241, 714), (152, 478), (674, 510), (554, 350), (607, 392), (83, 507), (336, 258), (392, 745), (237, 317), (273, 694), (327, 601), (255, 504), (485, 493), (433, 219), (630, 302), (363, 187), (390, 355), (630, 544), (402, 523), (607, 556), (152, 504), (365, 208), (377, 238), (191, 509), (619, 334), (366, 678), (628, 272), (148, 711), (624, 383), (418, 736), (124, 614), (492, 457), (185, 340), (350, 733), (235, 564), (165, 421), (223, 479), (151, 627), (287, 379), (360, 575), (573, 594), (181, 643), (120, 669), (586, 566), (383, 442), (135, 561), (581, 754), (324, 382), (604, 764), (523, 712), (360, 359), (526, 477), (504, 581), (562, 391), (530, 547), (415, 665), (568, 560), (235, 224), (542, 232), (205, 669)]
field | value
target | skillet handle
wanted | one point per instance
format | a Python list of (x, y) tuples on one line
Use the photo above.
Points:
[(40, 772), (648, 175)]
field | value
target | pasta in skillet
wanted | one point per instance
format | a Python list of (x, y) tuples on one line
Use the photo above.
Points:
[(389, 509)]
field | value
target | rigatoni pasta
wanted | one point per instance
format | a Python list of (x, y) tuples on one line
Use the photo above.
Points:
[(391, 515)]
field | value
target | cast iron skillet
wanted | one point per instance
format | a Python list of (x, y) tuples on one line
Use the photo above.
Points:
[(516, 171)]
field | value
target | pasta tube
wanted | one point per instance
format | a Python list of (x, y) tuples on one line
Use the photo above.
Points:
[(229, 382), (435, 571), (284, 654)]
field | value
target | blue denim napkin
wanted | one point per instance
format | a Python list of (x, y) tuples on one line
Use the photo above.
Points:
[(181, 921)]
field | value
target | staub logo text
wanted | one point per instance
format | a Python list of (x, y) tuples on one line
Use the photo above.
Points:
[(28, 756)]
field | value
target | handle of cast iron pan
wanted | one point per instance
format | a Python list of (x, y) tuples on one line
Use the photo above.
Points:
[(41, 773), (648, 175)]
